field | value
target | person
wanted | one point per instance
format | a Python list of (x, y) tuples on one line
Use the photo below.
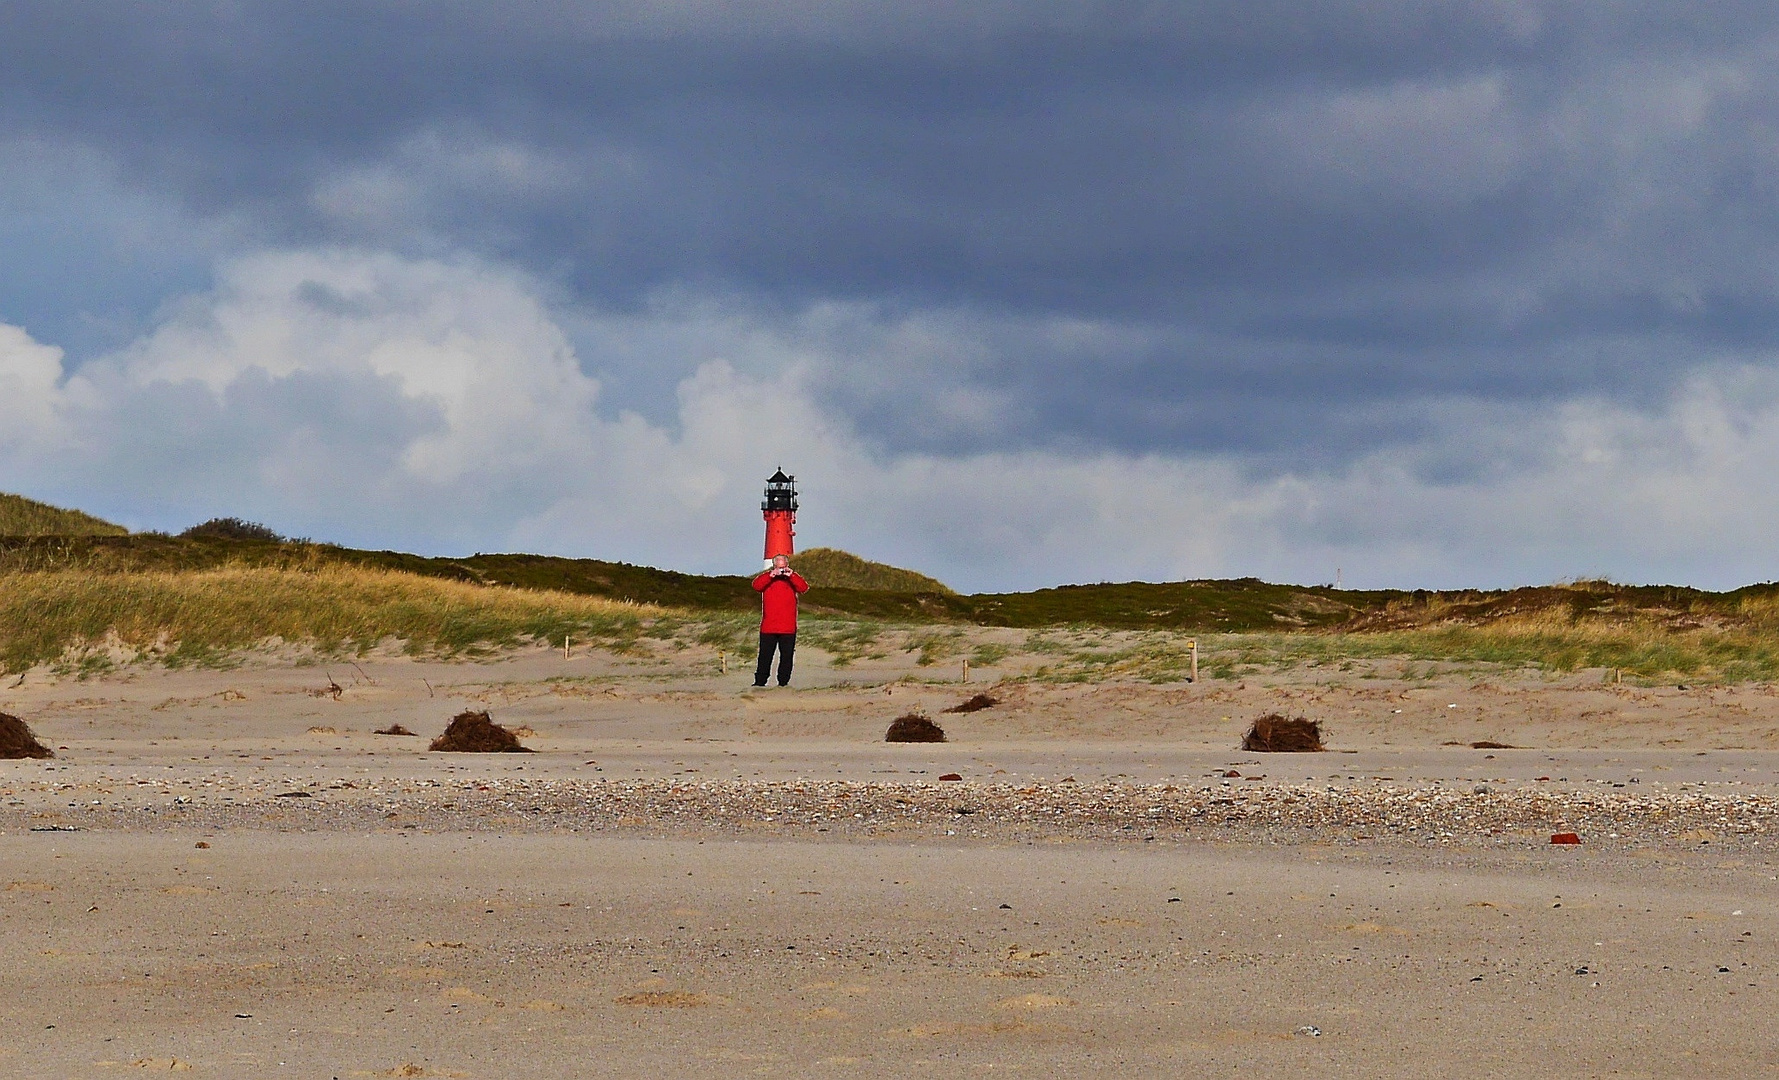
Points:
[(778, 586)]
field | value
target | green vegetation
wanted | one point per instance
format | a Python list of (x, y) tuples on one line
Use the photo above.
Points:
[(233, 528), (1642, 652), (1241, 604), (20, 516), (1246, 604), (934, 645), (94, 590), (832, 568), (144, 552), (846, 641)]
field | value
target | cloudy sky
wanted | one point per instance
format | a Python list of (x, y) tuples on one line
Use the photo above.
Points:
[(1060, 290)]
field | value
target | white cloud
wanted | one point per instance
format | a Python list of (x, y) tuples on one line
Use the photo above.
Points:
[(469, 342), (439, 406), (30, 377)]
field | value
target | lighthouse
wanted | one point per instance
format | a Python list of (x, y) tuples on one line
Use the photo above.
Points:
[(779, 508)]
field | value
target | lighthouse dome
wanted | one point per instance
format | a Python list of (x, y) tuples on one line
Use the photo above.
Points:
[(781, 493)]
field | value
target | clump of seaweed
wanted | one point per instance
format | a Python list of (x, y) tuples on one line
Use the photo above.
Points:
[(1275, 733), (975, 704), (477, 733), (16, 740), (914, 728)]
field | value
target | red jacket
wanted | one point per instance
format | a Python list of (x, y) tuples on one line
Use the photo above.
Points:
[(778, 596)]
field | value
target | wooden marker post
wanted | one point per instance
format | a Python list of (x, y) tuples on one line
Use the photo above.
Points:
[(1193, 646), (966, 671)]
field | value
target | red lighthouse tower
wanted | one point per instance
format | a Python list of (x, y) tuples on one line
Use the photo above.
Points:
[(780, 510)]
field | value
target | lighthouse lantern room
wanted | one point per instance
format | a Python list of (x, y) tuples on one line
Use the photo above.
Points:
[(779, 507)]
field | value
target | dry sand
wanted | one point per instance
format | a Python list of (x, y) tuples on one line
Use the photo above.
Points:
[(693, 878)]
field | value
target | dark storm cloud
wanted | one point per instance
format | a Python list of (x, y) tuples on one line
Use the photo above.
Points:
[(1290, 228)]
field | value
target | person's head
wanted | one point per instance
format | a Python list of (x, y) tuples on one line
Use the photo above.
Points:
[(780, 562)]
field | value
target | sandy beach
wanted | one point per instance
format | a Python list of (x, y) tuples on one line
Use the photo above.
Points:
[(1295, 481), (225, 871)]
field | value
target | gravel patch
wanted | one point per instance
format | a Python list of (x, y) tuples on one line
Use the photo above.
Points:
[(1271, 812)]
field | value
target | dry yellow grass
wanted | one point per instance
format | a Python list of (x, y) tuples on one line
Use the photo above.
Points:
[(90, 618), (1643, 649), (199, 616), (832, 568), (20, 516), (1745, 648)]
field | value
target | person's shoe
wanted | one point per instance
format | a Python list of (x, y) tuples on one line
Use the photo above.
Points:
[(760, 685), (784, 684)]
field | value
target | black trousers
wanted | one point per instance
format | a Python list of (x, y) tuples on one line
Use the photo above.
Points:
[(786, 645)]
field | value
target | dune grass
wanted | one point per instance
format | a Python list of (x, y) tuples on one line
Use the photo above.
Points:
[(206, 616), (20, 516), (1644, 651), (87, 617), (836, 569)]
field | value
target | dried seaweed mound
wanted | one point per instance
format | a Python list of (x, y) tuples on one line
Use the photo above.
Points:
[(914, 728), (1278, 734), (16, 740), (476, 733), (1490, 744), (975, 704), (393, 729)]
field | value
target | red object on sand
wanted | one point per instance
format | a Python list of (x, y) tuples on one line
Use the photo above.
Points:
[(951, 776), (779, 508), (1564, 838)]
